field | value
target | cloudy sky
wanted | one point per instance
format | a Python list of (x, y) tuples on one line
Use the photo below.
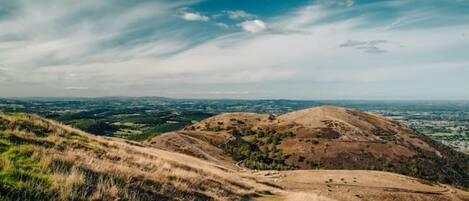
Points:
[(322, 49)]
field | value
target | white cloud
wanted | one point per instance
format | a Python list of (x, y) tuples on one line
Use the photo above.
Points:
[(222, 25), (372, 46), (349, 3), (72, 75), (76, 88), (344, 3), (253, 26), (194, 17), (239, 14)]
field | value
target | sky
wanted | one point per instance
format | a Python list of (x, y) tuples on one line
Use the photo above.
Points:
[(263, 49)]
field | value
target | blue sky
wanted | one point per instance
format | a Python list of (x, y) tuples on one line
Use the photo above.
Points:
[(322, 49)]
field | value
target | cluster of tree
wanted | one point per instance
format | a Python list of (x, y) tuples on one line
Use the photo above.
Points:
[(260, 152), (142, 122), (449, 166), (98, 127), (453, 168), (264, 136)]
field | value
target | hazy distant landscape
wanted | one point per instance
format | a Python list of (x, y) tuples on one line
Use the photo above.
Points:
[(140, 118)]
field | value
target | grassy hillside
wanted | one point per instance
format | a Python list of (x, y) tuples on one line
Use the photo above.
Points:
[(44, 160)]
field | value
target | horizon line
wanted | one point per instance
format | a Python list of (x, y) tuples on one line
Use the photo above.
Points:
[(214, 99)]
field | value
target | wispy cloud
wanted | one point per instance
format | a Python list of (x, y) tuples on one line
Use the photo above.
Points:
[(51, 34), (341, 3), (76, 88), (253, 26), (366, 46), (349, 3), (222, 25), (53, 47), (194, 17), (239, 14)]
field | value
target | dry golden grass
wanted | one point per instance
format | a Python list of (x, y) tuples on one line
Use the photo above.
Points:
[(356, 185), (86, 167)]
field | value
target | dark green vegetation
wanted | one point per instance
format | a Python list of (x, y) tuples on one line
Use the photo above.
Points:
[(134, 119), (138, 118), (452, 169), (132, 123), (257, 149)]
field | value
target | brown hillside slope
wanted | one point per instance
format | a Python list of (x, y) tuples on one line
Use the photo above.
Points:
[(43, 160), (330, 138), (177, 142)]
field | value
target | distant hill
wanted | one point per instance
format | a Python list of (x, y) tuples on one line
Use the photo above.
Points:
[(324, 138)]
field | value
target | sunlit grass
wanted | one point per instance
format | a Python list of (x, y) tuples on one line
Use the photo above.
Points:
[(44, 160)]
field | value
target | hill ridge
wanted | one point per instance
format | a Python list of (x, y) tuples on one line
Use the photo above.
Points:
[(330, 137)]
